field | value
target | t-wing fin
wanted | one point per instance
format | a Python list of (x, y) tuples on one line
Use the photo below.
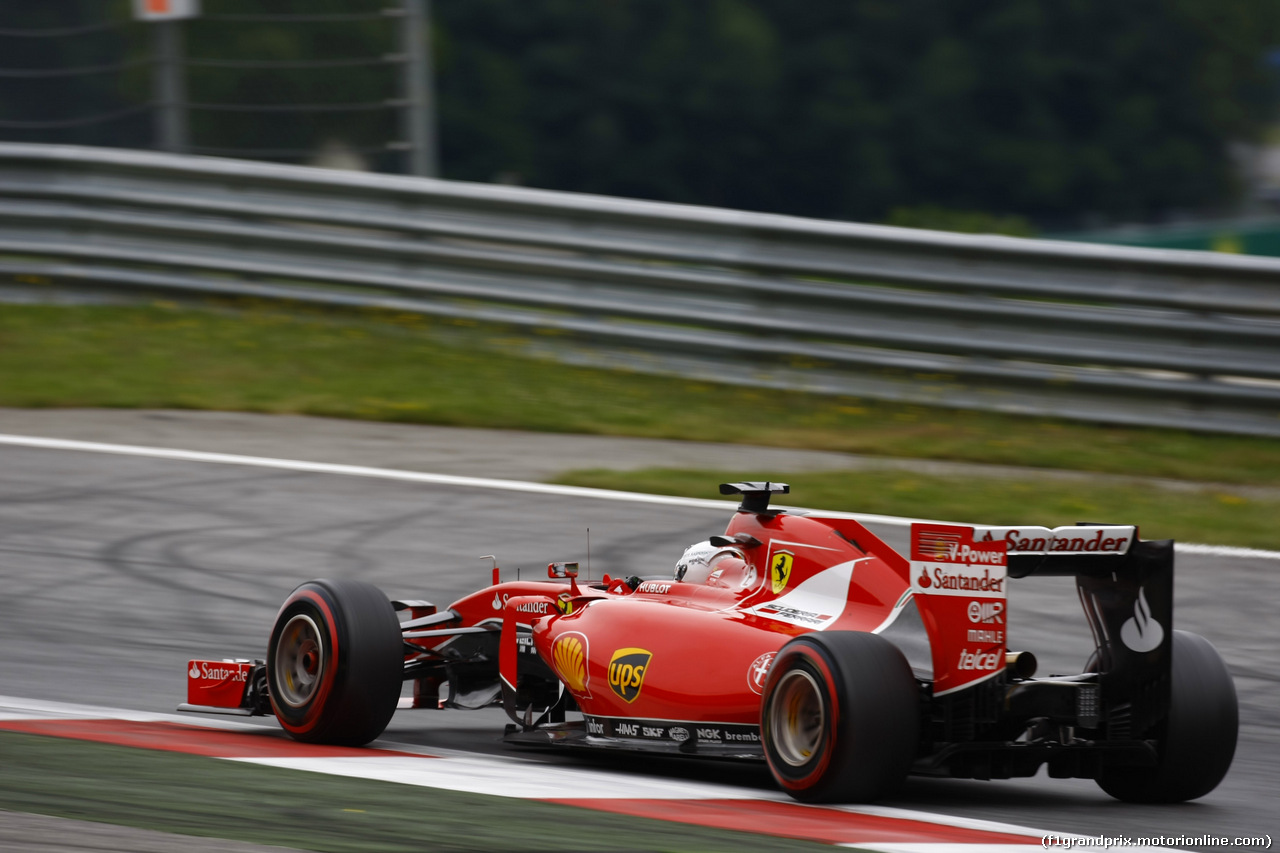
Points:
[(755, 495)]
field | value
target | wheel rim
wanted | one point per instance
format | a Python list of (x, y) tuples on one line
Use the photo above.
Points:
[(798, 719), (300, 660)]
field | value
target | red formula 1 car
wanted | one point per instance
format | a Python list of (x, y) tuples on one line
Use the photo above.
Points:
[(799, 639)]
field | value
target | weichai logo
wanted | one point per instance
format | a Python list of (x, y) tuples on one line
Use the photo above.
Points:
[(626, 672)]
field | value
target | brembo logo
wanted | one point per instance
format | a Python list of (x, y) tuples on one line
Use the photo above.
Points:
[(626, 672)]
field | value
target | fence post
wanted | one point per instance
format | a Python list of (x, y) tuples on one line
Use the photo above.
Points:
[(419, 111), (170, 87)]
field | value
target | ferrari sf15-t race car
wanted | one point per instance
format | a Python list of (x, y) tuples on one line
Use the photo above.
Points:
[(797, 638)]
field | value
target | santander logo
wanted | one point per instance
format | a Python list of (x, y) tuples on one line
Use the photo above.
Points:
[(195, 671), (925, 583), (1141, 632)]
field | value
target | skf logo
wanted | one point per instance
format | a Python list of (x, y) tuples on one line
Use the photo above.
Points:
[(569, 656), (626, 672), (780, 570)]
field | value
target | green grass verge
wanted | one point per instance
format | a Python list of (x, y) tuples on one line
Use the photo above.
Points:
[(215, 798), (1217, 516), (398, 367)]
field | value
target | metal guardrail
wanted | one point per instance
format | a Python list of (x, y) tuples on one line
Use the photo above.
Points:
[(1101, 333)]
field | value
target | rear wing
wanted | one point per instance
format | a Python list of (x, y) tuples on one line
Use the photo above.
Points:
[(959, 577), (1088, 549)]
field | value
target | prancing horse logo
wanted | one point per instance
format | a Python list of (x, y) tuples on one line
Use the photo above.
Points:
[(780, 570)]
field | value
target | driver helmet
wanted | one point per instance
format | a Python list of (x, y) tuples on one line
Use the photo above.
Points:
[(699, 561)]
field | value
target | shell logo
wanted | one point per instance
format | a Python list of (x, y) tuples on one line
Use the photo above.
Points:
[(569, 657)]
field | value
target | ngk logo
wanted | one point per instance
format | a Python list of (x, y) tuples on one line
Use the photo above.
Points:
[(986, 611)]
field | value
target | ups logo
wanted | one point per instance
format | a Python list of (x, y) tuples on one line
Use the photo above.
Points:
[(626, 672)]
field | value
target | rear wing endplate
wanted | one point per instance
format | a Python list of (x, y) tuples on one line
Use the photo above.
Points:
[(1125, 585)]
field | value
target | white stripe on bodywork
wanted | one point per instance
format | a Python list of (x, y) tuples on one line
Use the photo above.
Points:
[(824, 594)]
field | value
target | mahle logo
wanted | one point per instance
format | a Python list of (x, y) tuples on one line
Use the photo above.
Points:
[(626, 672), (780, 570)]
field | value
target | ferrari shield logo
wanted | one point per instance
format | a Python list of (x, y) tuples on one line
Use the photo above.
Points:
[(780, 570)]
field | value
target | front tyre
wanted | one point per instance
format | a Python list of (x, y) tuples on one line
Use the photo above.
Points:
[(335, 662), (1196, 741), (840, 717)]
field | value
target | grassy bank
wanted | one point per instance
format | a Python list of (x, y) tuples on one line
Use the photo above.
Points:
[(1216, 516), (394, 367)]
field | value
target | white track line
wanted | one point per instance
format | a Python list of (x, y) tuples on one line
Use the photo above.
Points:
[(505, 485)]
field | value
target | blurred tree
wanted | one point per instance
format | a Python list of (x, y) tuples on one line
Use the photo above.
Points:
[(264, 78), (847, 109), (69, 73), (850, 109)]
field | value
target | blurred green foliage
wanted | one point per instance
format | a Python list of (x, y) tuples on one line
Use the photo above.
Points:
[(846, 109), (34, 40), (965, 221), (1219, 515)]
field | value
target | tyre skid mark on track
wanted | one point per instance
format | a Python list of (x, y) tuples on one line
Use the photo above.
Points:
[(887, 830)]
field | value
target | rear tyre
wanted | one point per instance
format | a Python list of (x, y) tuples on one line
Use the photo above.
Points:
[(335, 662), (1198, 738), (840, 717)]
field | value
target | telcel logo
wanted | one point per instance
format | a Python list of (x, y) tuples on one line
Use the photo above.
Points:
[(989, 661), (626, 672)]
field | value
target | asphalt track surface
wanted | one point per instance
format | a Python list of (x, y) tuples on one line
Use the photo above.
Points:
[(116, 570)]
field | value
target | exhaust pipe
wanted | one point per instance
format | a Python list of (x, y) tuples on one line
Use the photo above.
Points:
[(1020, 664)]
